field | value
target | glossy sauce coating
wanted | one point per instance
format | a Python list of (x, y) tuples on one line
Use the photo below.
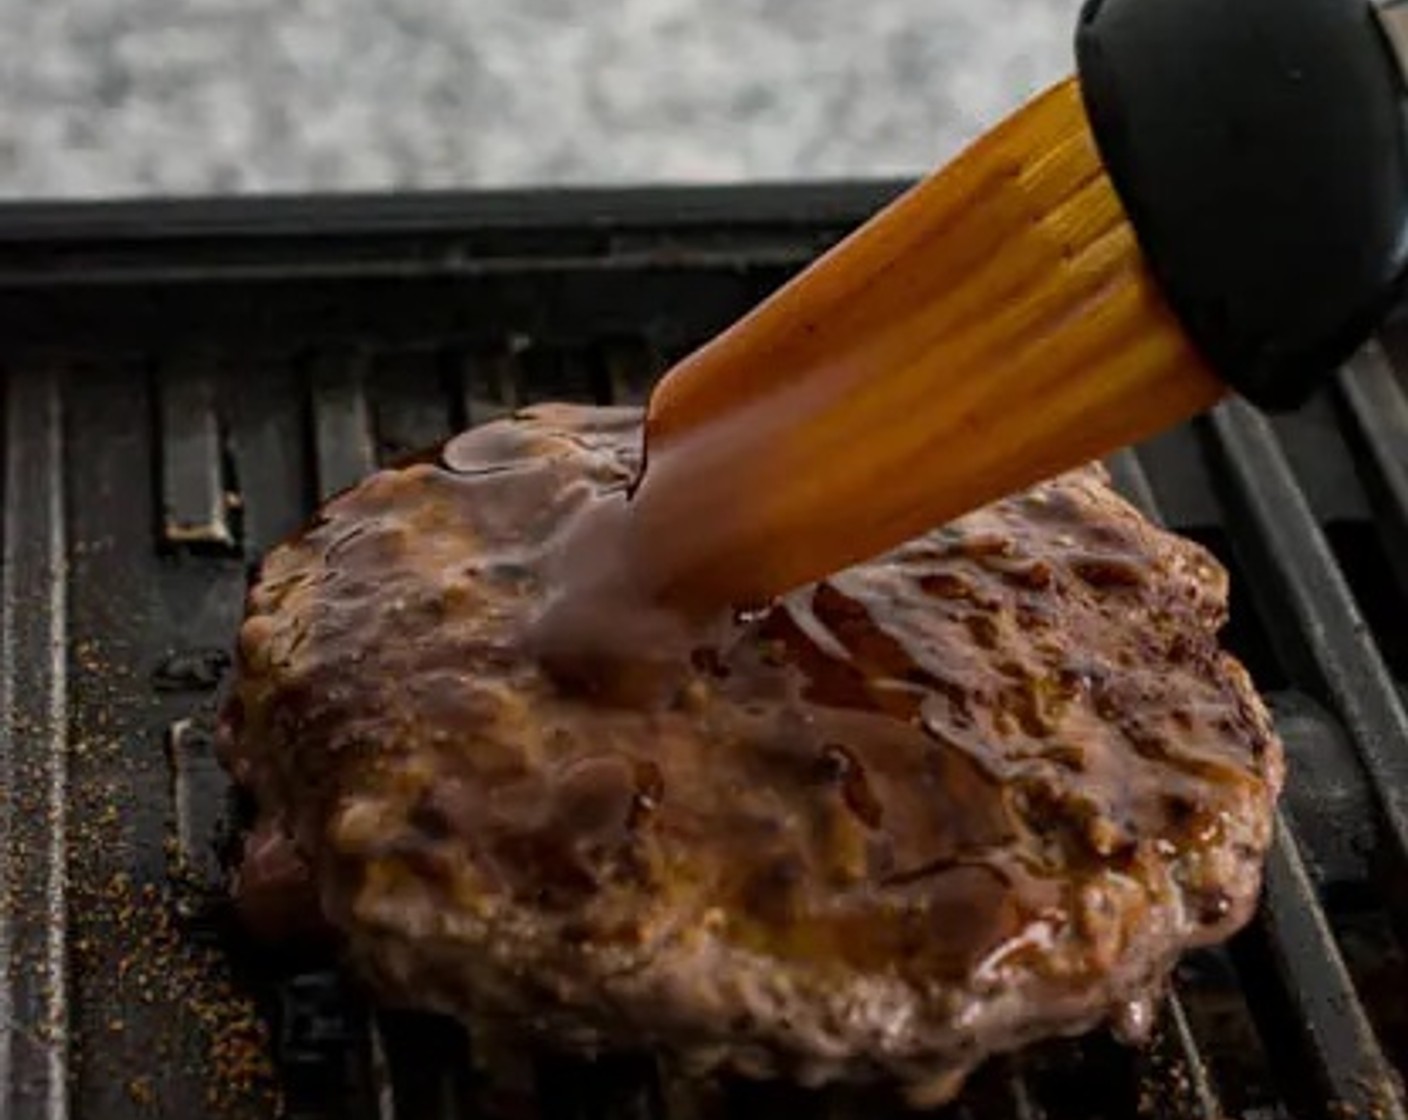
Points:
[(979, 790)]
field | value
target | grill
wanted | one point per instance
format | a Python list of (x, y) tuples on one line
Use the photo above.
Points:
[(182, 381)]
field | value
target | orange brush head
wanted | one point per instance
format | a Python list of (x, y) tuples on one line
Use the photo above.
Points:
[(994, 326)]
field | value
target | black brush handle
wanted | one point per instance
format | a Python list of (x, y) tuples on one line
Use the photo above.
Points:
[(1261, 151)]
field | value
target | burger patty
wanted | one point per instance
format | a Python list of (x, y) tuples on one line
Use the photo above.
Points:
[(976, 792)]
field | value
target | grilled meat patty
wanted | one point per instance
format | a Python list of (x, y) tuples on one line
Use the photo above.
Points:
[(979, 791)]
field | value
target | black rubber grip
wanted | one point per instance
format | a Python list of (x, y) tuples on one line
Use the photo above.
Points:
[(1260, 149)]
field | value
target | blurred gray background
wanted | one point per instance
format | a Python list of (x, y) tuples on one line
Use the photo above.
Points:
[(124, 97)]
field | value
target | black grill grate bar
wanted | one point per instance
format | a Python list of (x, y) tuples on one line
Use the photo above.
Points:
[(34, 1003), (1196, 1096), (1174, 1083), (1377, 410), (331, 1068), (1001, 1089), (410, 407), (1278, 534), (421, 1067), (1024, 1103), (630, 369), (1322, 633), (382, 1091), (1129, 478), (270, 449), (197, 789), (609, 1087), (685, 1097), (1350, 1068), (489, 383), (1017, 1097), (343, 445), (195, 505)]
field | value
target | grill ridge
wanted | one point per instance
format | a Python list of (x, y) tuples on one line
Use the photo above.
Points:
[(1328, 641), (34, 991)]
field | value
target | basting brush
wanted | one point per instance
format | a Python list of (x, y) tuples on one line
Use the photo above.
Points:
[(1215, 204)]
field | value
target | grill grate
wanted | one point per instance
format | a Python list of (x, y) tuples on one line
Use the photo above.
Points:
[(183, 382)]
